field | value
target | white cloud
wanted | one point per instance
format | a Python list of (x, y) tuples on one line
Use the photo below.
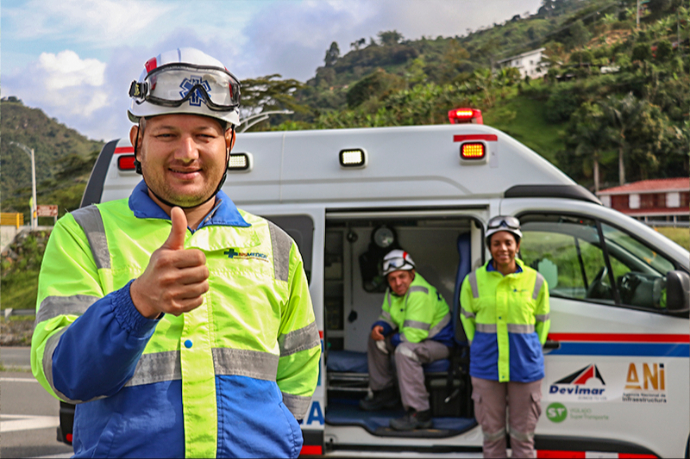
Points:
[(66, 69), (97, 22)]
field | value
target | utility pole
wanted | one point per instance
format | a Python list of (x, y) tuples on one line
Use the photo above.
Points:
[(638, 14), (30, 152)]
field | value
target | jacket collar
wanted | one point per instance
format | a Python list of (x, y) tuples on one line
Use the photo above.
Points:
[(490, 266), (224, 213)]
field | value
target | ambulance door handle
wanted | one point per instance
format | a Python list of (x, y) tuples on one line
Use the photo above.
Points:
[(551, 345)]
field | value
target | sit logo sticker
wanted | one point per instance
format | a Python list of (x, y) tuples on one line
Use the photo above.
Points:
[(233, 254)]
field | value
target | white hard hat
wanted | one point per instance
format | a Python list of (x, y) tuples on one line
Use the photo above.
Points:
[(503, 223), (185, 81), (397, 260)]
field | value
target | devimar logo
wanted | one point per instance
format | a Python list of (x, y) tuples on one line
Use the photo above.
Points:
[(585, 384), (232, 254), (556, 412), (189, 83)]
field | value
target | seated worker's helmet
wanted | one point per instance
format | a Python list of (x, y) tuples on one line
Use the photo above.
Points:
[(185, 81), (397, 260), (503, 223)]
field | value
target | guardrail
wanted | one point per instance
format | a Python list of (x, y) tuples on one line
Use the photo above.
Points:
[(18, 312), (12, 219), (677, 224)]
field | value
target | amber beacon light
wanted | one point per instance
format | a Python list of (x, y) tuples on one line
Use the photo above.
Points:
[(472, 151)]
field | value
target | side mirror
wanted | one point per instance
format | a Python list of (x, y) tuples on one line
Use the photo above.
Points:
[(677, 291)]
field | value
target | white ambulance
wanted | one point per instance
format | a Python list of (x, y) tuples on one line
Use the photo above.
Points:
[(618, 357)]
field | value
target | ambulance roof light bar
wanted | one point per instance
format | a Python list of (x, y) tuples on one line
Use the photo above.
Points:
[(465, 115)]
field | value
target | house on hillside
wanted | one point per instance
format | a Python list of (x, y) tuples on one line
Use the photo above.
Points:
[(529, 63), (651, 200)]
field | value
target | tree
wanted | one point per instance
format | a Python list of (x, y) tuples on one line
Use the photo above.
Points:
[(622, 113), (390, 37), (271, 93), (358, 44), (588, 136), (578, 35), (332, 54)]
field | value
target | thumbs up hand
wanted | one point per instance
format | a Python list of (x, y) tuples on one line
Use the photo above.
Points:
[(175, 279)]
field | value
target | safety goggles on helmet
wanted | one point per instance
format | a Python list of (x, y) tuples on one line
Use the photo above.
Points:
[(503, 223), (172, 85), (397, 260)]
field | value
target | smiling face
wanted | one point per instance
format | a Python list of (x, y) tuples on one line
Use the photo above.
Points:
[(183, 157), (400, 281), (504, 247)]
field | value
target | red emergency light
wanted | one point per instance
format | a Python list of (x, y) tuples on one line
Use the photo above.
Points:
[(126, 163), (472, 151), (465, 115)]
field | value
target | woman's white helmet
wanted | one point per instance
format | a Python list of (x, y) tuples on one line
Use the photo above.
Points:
[(397, 260), (185, 81)]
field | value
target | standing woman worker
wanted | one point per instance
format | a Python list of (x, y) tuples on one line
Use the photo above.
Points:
[(505, 313)]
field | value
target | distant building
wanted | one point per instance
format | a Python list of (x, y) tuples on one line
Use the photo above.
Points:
[(651, 200), (529, 63)]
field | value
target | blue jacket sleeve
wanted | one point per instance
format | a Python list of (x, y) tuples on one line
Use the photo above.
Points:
[(98, 353)]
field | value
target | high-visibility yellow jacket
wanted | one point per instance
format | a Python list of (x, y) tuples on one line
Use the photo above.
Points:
[(420, 314), (227, 379), (506, 320)]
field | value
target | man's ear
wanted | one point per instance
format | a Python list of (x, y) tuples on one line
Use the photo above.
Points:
[(133, 133), (230, 138)]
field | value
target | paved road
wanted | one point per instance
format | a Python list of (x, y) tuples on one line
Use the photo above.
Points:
[(28, 415)]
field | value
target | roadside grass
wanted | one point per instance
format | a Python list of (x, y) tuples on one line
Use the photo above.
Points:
[(680, 236), (525, 120), (19, 290)]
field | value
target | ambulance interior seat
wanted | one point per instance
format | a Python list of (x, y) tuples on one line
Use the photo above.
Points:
[(447, 378)]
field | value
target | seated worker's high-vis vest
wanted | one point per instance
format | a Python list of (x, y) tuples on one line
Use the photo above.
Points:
[(227, 379), (420, 314), (506, 320)]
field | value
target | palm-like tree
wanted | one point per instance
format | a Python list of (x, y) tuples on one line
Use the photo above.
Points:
[(590, 136), (622, 113)]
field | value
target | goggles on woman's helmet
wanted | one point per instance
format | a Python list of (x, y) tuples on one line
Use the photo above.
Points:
[(503, 223), (172, 85), (397, 260)]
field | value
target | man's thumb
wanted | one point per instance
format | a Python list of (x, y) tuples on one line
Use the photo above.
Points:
[(179, 230)]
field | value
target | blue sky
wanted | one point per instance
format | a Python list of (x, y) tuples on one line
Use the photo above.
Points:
[(74, 59)]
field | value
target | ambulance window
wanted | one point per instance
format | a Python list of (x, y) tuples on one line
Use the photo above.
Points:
[(301, 229), (639, 271), (568, 252)]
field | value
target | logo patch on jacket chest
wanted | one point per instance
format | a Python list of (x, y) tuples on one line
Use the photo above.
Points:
[(233, 254)]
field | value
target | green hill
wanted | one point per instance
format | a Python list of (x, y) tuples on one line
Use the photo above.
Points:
[(63, 157)]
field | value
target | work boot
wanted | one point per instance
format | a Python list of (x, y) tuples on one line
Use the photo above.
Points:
[(382, 399), (413, 420)]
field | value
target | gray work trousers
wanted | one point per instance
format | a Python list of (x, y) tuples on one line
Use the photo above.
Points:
[(409, 358), (524, 402)]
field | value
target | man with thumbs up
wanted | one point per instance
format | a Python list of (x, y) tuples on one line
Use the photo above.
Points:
[(178, 324)]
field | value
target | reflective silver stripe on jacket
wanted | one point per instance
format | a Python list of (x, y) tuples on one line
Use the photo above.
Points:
[(53, 306), (243, 362), (537, 286), (541, 317), (520, 328), (418, 288), (486, 328), (439, 326), (386, 317), (416, 324), (156, 367), (282, 243), (299, 340), (472, 279), (297, 404), (90, 220), (48, 352), (466, 313)]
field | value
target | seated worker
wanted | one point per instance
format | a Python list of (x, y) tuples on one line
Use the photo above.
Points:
[(415, 327)]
